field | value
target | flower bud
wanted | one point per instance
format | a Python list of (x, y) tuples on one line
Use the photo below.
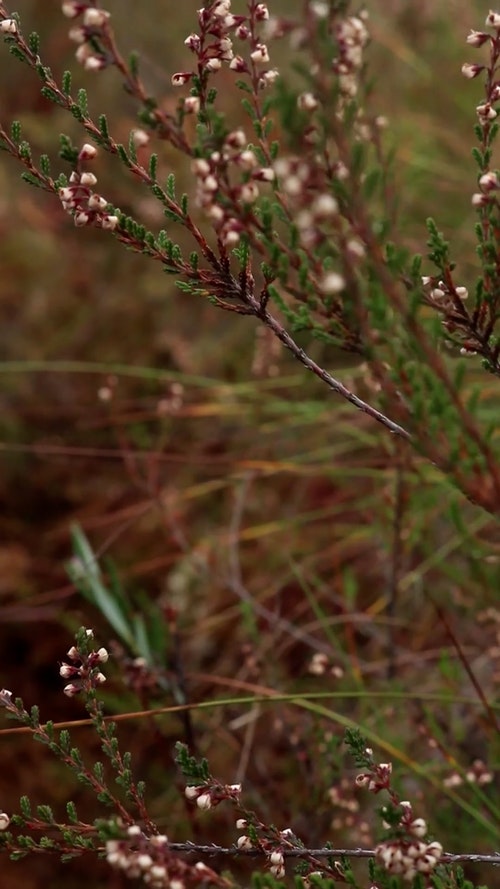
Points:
[(88, 179), (8, 26), (470, 71), (87, 152), (180, 78), (493, 19), (477, 38), (95, 18), (110, 222)]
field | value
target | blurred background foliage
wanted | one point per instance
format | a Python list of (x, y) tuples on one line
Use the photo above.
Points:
[(265, 520)]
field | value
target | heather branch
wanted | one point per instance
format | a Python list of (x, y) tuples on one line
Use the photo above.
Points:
[(279, 331), (323, 852)]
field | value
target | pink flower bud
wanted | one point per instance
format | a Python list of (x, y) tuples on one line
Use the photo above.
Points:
[(261, 12), (493, 19), (71, 9), (265, 174), (307, 102), (110, 222), (97, 202), (268, 78), (249, 192), (95, 18), (477, 38), (192, 105), (87, 152), (193, 42), (81, 218), (238, 64), (88, 180), (242, 32), (8, 26), (486, 112), (470, 70), (260, 55), (94, 63), (181, 78), (66, 194), (140, 138), (77, 35), (489, 181)]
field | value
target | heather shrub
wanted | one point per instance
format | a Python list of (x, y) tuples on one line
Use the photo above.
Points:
[(269, 167)]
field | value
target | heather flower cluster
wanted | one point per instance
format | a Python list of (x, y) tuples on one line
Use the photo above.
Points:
[(273, 849), (406, 852), (213, 46), (486, 111), (352, 37), (207, 796), (137, 856), (409, 857), (87, 34), (477, 773), (149, 859), (84, 669), (81, 202), (308, 181), (223, 200), (472, 329)]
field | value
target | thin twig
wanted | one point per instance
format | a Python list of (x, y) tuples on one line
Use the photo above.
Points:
[(212, 849)]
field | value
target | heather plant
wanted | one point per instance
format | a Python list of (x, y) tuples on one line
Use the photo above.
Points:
[(289, 219), (133, 844)]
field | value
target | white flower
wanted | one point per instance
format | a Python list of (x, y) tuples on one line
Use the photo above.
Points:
[(180, 78), (94, 63), (469, 70), (477, 38), (260, 55), (8, 26), (140, 138), (87, 152), (110, 223), (333, 282), (192, 105), (493, 19), (486, 111), (307, 102), (95, 18), (88, 179)]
